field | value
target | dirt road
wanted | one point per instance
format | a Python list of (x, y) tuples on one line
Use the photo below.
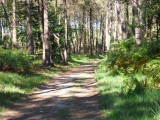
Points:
[(72, 95)]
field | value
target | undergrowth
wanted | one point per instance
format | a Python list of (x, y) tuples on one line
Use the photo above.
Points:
[(129, 81), (140, 64), (15, 85), (117, 105), (15, 60)]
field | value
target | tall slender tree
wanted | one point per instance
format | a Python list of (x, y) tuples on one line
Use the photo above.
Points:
[(29, 29), (14, 31), (66, 32), (91, 31), (138, 31), (107, 26), (119, 19), (40, 16), (8, 22), (46, 49), (127, 18)]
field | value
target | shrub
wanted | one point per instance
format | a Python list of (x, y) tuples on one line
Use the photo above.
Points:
[(16, 60), (140, 64)]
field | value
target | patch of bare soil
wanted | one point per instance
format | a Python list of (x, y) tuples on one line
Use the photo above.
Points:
[(71, 95)]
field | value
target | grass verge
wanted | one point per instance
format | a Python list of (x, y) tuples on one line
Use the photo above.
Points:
[(15, 86), (142, 105)]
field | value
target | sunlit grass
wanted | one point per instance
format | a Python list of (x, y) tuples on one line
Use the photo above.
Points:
[(14, 86), (142, 105), (2, 109), (80, 58)]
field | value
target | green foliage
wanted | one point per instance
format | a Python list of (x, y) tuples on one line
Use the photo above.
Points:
[(82, 58), (141, 105), (16, 60), (14, 86), (140, 64), (152, 70)]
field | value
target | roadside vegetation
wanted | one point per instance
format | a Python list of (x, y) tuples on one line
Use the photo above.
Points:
[(22, 74), (129, 81), (40, 38)]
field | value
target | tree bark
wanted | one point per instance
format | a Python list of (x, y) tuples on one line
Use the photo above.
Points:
[(115, 23), (29, 29), (83, 30), (88, 33), (121, 23), (46, 60), (81, 36), (66, 33), (8, 23), (102, 32), (40, 16), (59, 46), (107, 27), (127, 18), (91, 33), (14, 32), (138, 32), (97, 36)]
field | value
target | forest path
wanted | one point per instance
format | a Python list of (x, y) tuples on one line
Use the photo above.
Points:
[(72, 95)]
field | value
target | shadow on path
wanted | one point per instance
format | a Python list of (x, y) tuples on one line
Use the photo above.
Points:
[(71, 95)]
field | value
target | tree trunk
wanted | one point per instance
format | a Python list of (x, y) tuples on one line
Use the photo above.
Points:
[(29, 29), (41, 24), (8, 23), (76, 36), (115, 23), (88, 35), (111, 16), (138, 32), (59, 46), (66, 32), (127, 18), (81, 36), (40, 15), (91, 33), (83, 30), (143, 16), (56, 3), (46, 50), (97, 36), (2, 33), (70, 37), (14, 32), (102, 33), (107, 27), (120, 34)]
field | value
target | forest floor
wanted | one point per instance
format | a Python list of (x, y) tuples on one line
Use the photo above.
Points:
[(71, 95)]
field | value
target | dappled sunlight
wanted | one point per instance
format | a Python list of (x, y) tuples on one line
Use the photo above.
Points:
[(13, 89), (71, 95), (50, 51), (81, 75), (142, 105)]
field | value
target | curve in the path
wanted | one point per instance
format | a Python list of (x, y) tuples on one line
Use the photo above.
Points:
[(70, 96)]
